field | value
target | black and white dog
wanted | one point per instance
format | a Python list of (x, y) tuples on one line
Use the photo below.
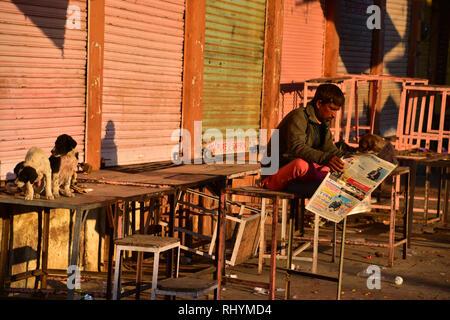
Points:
[(35, 167), (64, 162)]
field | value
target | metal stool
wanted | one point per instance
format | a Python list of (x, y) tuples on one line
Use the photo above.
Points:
[(187, 287), (293, 195), (143, 243)]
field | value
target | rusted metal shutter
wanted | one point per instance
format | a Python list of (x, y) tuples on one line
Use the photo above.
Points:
[(142, 79), (355, 48), (396, 39), (42, 76), (303, 40), (233, 64)]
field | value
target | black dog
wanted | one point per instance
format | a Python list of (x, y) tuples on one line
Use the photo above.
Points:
[(64, 162)]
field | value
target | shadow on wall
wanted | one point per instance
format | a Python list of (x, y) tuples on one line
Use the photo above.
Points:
[(51, 21), (109, 148), (355, 11)]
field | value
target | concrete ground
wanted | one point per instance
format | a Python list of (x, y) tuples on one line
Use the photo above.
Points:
[(425, 271)]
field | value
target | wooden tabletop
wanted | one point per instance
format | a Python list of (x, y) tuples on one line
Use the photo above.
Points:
[(187, 175), (100, 196)]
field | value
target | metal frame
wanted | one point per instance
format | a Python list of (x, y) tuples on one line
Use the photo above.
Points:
[(342, 80), (408, 136), (239, 219), (155, 250)]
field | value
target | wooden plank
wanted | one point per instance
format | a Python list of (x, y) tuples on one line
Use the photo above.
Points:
[(246, 244)]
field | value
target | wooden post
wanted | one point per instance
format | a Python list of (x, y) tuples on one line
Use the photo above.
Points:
[(194, 44), (94, 83), (376, 68), (331, 55), (413, 38), (272, 65)]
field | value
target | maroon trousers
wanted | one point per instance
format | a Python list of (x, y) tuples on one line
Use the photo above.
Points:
[(297, 169)]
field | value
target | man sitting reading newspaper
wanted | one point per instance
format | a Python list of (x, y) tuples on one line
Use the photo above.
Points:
[(306, 149)]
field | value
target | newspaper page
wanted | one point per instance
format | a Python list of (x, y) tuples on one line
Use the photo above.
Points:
[(348, 192)]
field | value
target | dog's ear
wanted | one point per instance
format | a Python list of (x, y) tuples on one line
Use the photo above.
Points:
[(18, 167), (63, 144), (68, 141), (28, 174), (55, 163), (71, 142)]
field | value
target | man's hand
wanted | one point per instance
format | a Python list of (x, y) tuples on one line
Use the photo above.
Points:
[(335, 164)]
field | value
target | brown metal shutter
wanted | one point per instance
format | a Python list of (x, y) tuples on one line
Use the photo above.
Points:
[(396, 38), (302, 49), (42, 76), (355, 48), (142, 79)]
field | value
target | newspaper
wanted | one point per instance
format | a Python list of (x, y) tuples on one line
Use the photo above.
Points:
[(348, 192)]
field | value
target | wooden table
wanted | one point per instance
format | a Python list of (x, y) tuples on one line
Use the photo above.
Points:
[(181, 177), (102, 196)]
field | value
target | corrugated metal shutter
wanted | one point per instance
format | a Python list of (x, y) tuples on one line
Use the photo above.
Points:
[(396, 38), (302, 49), (42, 76), (303, 40), (233, 64), (355, 48), (142, 79)]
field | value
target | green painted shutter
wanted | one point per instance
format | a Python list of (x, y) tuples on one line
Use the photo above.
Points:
[(233, 64)]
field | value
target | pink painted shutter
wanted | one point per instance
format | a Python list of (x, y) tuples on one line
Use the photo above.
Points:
[(303, 40), (42, 76), (302, 49), (142, 79)]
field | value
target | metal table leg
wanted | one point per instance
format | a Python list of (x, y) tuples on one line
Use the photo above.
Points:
[(341, 259), (292, 214), (412, 187), (406, 216), (220, 243), (80, 218), (45, 240), (273, 250), (4, 250)]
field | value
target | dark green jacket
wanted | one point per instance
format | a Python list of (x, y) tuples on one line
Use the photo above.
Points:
[(303, 136)]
